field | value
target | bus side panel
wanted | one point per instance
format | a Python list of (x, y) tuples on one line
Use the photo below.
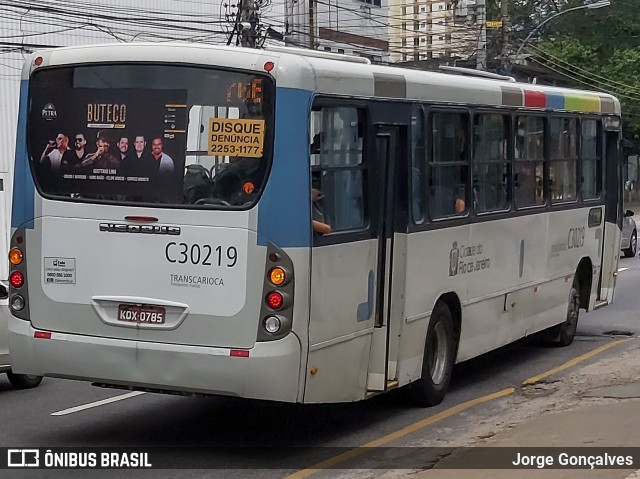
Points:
[(284, 213), (432, 269), (22, 212)]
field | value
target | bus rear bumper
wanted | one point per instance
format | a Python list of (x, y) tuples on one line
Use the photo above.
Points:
[(270, 371)]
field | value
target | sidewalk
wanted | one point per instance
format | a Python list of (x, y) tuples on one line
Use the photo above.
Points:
[(595, 406)]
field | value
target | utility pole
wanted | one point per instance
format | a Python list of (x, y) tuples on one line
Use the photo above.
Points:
[(481, 19), (245, 25), (312, 24), (505, 34), (248, 27)]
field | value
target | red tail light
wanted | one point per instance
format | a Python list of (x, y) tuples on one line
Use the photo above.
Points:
[(275, 300), (16, 279)]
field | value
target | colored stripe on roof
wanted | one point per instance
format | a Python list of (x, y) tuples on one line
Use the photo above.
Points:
[(555, 101), (579, 102), (585, 102), (512, 96), (535, 99)]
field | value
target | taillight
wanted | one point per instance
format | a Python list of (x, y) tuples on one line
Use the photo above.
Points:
[(17, 302), (272, 324), (277, 276), (276, 313), (15, 256), (16, 279), (275, 300)]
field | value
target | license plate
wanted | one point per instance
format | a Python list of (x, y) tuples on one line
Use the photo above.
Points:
[(135, 313)]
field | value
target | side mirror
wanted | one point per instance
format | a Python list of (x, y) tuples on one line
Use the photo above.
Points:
[(628, 213)]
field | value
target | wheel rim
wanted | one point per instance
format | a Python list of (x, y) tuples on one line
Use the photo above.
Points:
[(438, 353), (634, 243)]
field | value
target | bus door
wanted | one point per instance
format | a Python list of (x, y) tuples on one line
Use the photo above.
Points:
[(613, 211), (352, 194), (391, 261)]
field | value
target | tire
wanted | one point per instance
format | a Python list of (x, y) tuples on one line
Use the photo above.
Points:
[(630, 252), (564, 333), (439, 355), (24, 381)]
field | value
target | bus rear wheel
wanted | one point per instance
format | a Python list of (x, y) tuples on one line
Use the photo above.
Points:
[(23, 381), (437, 363)]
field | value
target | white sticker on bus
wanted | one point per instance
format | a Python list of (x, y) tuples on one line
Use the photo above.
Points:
[(60, 270)]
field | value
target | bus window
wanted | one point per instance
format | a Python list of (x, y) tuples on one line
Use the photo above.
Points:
[(337, 166), (144, 135), (490, 162), (564, 158), (528, 167), (418, 165), (591, 155), (449, 164)]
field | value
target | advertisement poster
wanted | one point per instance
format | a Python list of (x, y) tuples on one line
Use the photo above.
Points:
[(126, 144)]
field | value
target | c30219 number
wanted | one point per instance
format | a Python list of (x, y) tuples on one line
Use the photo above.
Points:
[(205, 255)]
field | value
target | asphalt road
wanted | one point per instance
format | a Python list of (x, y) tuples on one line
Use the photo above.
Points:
[(301, 435)]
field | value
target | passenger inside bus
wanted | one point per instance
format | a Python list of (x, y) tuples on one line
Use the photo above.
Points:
[(318, 220)]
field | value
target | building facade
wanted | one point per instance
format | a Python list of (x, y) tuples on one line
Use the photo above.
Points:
[(426, 29), (352, 27)]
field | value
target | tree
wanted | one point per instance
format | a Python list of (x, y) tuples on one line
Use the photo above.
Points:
[(592, 49)]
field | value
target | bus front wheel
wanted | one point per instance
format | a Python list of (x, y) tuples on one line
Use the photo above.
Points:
[(438, 359), (565, 332)]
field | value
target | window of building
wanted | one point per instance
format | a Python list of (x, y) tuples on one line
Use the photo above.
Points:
[(337, 166), (528, 167), (563, 174), (591, 155), (448, 164), (490, 180), (375, 3)]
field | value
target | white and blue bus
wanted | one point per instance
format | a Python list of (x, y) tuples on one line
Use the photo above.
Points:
[(162, 220)]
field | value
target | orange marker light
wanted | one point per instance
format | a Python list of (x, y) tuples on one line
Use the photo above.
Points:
[(277, 276), (248, 188), (15, 256)]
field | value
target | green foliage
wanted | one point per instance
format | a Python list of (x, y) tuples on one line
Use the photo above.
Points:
[(593, 49)]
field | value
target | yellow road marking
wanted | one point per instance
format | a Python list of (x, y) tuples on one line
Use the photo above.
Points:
[(443, 415), (398, 434), (573, 362)]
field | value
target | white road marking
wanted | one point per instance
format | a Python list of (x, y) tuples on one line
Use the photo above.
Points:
[(622, 269), (97, 403)]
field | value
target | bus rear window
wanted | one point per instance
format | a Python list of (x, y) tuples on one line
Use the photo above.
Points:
[(151, 134)]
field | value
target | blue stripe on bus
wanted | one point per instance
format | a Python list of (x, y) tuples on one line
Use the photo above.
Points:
[(555, 101), (22, 212), (284, 212)]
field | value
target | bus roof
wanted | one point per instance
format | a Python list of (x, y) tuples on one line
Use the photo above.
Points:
[(331, 74)]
